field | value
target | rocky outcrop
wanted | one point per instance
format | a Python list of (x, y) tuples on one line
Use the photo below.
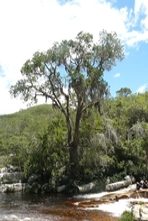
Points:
[(128, 180), (9, 188), (35, 185), (140, 212), (108, 198), (11, 180), (86, 188), (61, 189), (139, 208)]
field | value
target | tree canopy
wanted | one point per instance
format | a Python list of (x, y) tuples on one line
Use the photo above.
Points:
[(124, 91), (70, 74)]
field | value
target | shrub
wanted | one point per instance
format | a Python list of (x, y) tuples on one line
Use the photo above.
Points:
[(126, 216)]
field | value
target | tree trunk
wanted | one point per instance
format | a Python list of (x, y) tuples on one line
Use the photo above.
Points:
[(73, 152), (73, 155), (73, 142)]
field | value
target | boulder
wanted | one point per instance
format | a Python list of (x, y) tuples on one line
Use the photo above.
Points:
[(129, 179), (3, 170), (9, 178), (28, 188), (140, 212), (46, 188), (11, 169), (35, 187), (8, 188), (86, 188), (61, 189), (117, 185), (121, 184), (110, 197), (33, 178)]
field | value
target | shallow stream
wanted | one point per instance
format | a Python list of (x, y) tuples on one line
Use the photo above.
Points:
[(23, 207)]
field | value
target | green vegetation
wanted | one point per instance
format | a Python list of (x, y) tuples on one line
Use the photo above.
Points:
[(70, 74), (32, 140), (126, 216), (84, 134), (115, 144)]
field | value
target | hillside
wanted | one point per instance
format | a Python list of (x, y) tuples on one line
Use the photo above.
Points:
[(112, 144)]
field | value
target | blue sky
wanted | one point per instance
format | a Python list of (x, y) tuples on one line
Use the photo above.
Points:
[(132, 72), (31, 25)]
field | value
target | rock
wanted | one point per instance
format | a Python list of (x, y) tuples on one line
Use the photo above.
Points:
[(139, 208), (128, 179), (52, 182), (108, 180), (86, 188), (9, 178), (61, 189), (111, 197), (140, 212), (28, 188), (121, 184), (144, 212), (33, 178), (35, 187), (8, 188), (117, 185), (10, 175), (46, 188), (11, 169), (3, 170), (135, 212), (133, 179)]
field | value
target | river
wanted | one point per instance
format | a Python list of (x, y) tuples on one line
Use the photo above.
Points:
[(26, 207)]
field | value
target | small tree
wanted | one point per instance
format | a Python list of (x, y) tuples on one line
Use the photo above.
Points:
[(70, 74)]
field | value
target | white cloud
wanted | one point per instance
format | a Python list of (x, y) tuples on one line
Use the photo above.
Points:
[(138, 27), (117, 75), (31, 25), (142, 89), (7, 104), (141, 7)]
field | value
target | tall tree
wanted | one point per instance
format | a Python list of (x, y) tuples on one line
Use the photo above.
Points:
[(70, 74)]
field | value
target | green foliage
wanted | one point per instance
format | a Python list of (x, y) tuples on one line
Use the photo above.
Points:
[(49, 154), (110, 145), (33, 140), (124, 92), (113, 144), (77, 65), (84, 129), (126, 216)]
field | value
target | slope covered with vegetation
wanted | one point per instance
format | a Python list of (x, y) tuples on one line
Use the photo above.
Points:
[(113, 142)]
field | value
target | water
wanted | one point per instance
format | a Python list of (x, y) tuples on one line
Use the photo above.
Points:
[(32, 207), (115, 209), (22, 207), (29, 207), (17, 206)]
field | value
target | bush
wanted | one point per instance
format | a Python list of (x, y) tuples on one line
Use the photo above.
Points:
[(126, 216)]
